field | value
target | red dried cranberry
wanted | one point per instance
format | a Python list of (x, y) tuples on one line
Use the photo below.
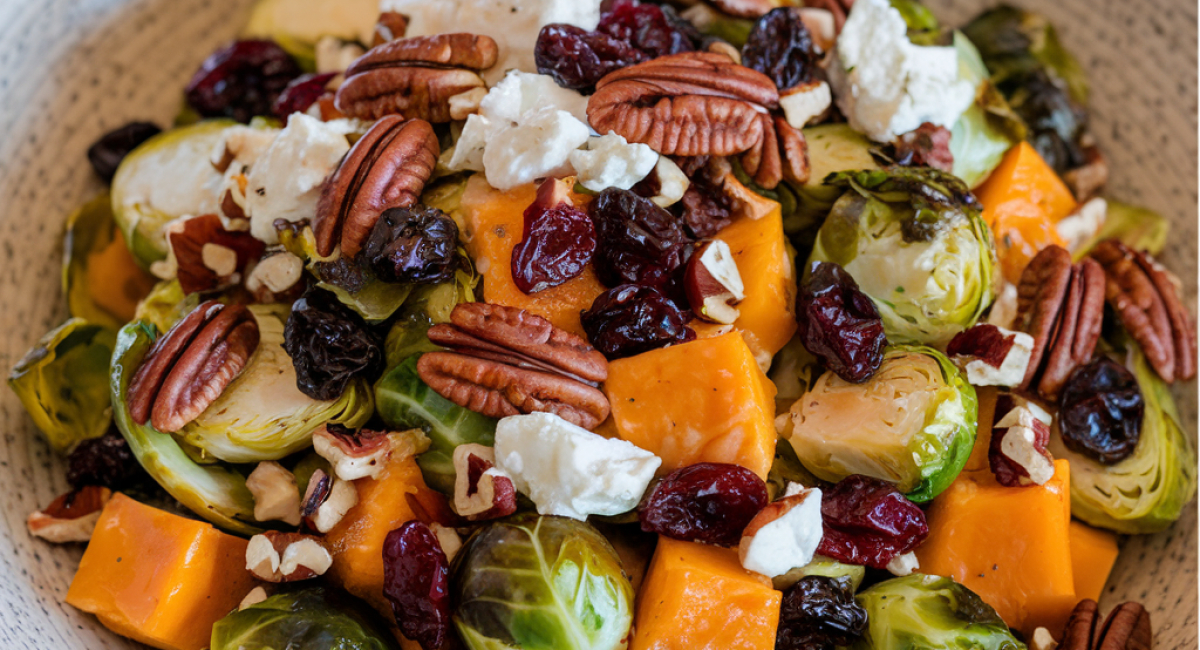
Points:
[(780, 47), (631, 319), (819, 613), (417, 245), (706, 502), (984, 342), (867, 521), (330, 345), (707, 209), (577, 58), (637, 241), (300, 94), (653, 29), (107, 153), (1100, 411), (839, 324), (556, 245), (927, 146), (106, 461), (416, 581), (241, 80)]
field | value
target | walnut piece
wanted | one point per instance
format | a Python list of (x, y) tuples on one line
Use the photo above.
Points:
[(481, 491), (364, 453), (326, 501), (274, 556), (276, 496), (71, 517), (1017, 453)]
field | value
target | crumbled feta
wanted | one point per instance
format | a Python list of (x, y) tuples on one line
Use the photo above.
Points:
[(335, 55), (885, 85), (804, 103), (569, 471), (514, 25), (285, 182), (1011, 371), (1004, 309), (1079, 228), (612, 161), (538, 147), (520, 93), (787, 542), (904, 565)]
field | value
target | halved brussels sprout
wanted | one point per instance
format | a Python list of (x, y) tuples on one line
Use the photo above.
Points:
[(920, 611), (1146, 492), (923, 26), (313, 618), (166, 305), (913, 423), (164, 178), (535, 582), (297, 25), (101, 281), (406, 402), (914, 240), (63, 383), (261, 415), (989, 127), (831, 148), (1139, 228), (429, 306)]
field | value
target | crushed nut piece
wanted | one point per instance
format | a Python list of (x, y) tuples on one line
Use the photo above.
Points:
[(784, 535), (254, 597), (481, 491), (991, 356), (448, 538), (364, 453), (903, 565), (71, 517), (1017, 454), (276, 496), (287, 557)]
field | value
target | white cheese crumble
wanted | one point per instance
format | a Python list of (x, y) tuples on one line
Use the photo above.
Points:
[(787, 542), (612, 161), (904, 565), (569, 471)]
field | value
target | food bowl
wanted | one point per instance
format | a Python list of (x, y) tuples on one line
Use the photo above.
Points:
[(72, 70)]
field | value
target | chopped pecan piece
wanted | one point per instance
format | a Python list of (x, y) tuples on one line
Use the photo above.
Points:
[(287, 557), (207, 255), (481, 491), (189, 367), (326, 501), (275, 493), (390, 26), (71, 517), (415, 77), (505, 361), (386, 168), (1017, 453)]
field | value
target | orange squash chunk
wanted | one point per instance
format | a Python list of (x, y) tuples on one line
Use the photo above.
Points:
[(1009, 545), (114, 280), (494, 224), (698, 597), (703, 401), (1093, 554), (159, 578)]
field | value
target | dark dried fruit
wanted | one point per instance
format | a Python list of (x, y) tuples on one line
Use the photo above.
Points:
[(819, 613), (651, 28), (107, 153), (241, 80), (329, 345), (556, 245), (839, 324), (1100, 411), (781, 47), (630, 319), (707, 209), (416, 246), (867, 521), (416, 581), (577, 58), (705, 502), (105, 461), (637, 241), (300, 94)]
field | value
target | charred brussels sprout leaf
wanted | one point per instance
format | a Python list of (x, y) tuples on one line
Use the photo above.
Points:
[(541, 583), (920, 611), (62, 382), (100, 279), (307, 619)]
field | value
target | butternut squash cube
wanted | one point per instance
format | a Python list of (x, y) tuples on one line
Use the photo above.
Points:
[(703, 401), (698, 597), (159, 578), (1010, 545), (1093, 554)]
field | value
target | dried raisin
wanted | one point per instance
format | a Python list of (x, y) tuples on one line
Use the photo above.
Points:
[(819, 613), (107, 153), (330, 345), (415, 246), (780, 47), (631, 319), (839, 324), (636, 241), (1100, 411)]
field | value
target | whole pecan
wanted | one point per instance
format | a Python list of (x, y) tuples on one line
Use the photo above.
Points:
[(701, 104), (188, 368), (1146, 298), (386, 168), (415, 77), (1126, 628), (505, 361)]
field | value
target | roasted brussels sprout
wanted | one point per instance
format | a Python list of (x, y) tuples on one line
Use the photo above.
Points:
[(307, 619), (989, 127), (541, 582), (165, 305), (63, 383), (915, 242), (923, 26), (920, 611), (100, 279), (1138, 228), (1147, 491), (297, 25), (428, 306), (831, 148), (823, 566), (913, 423)]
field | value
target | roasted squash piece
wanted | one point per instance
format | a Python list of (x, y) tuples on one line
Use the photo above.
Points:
[(703, 401), (1093, 554), (159, 578), (698, 597)]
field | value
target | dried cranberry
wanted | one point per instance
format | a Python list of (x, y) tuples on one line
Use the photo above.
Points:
[(630, 319), (416, 581), (984, 342), (107, 153), (653, 29), (416, 246), (707, 209), (300, 94), (241, 80), (1100, 411), (927, 146), (557, 243), (839, 324), (329, 345), (637, 241), (106, 461), (780, 47), (706, 502), (819, 613), (867, 521), (577, 58)]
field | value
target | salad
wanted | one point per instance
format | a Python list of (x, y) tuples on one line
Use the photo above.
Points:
[(584, 325)]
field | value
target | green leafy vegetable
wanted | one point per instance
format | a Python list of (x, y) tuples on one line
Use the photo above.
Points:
[(93, 257), (988, 128), (1138, 228), (923, 26), (920, 611), (307, 619), (166, 305), (429, 306)]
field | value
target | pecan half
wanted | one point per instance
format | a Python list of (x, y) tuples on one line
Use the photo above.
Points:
[(1080, 632), (506, 361), (1126, 628), (415, 77), (386, 168), (1078, 328), (187, 369), (71, 517), (1146, 298)]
